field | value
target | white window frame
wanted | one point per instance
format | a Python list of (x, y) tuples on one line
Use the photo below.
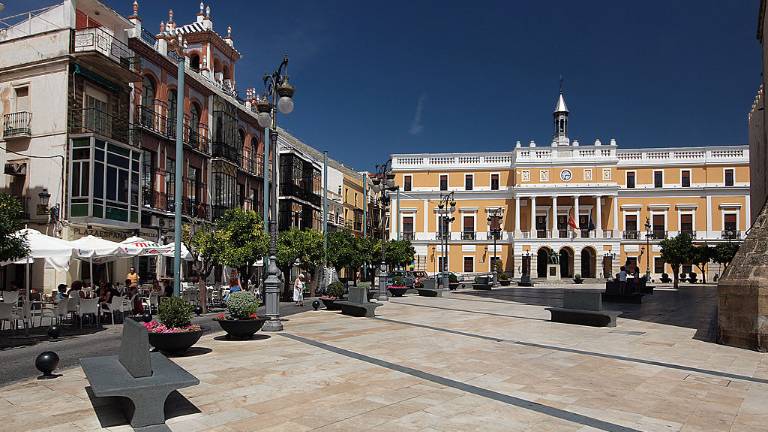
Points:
[(404, 214), (626, 179), (490, 180), (463, 259), (447, 181), (16, 88), (666, 219), (730, 210), (474, 220), (464, 186), (680, 214), (408, 176), (525, 176), (653, 179), (734, 176), (690, 178), (588, 174), (544, 175), (635, 213)]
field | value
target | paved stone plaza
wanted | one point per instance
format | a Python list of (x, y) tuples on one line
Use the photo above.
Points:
[(470, 362)]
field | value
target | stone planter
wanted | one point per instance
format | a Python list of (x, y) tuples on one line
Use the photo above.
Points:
[(241, 329), (330, 303), (174, 343), (397, 291), (453, 285), (505, 282)]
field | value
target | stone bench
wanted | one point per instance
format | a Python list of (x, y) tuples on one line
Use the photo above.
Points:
[(583, 307), (481, 286), (143, 377), (622, 292), (366, 309)]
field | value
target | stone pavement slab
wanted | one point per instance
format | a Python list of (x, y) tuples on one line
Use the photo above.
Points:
[(460, 363)]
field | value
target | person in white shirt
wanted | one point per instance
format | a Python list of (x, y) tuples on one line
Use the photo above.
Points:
[(623, 274)]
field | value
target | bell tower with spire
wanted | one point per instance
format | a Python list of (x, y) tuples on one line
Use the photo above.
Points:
[(560, 137)]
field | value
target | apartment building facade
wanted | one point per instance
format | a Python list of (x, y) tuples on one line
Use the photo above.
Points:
[(596, 207)]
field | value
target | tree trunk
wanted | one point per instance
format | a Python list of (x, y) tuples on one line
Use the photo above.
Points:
[(202, 292), (675, 275)]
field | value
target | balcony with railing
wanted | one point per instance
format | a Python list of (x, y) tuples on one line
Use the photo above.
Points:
[(196, 137), (103, 51), (659, 234), (92, 120), (292, 189), (410, 236), (467, 235), (152, 121), (254, 165), (442, 236), (541, 233), (730, 234), (631, 235), (17, 125), (226, 151)]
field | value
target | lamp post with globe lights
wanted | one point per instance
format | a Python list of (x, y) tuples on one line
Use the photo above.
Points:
[(278, 97), (383, 182), (445, 208), (494, 225)]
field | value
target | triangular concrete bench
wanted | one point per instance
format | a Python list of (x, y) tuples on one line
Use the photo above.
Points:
[(137, 374), (357, 304)]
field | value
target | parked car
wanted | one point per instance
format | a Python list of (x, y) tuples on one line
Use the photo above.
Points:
[(418, 278), (408, 279)]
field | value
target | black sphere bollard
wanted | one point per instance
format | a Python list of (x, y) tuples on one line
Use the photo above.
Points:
[(198, 310), (316, 304), (46, 363), (146, 317), (54, 332)]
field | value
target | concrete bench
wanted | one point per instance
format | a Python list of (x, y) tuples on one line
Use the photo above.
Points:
[(583, 307), (622, 292), (357, 303), (143, 377)]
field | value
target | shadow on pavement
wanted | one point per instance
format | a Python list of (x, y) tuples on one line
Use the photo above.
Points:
[(690, 306)]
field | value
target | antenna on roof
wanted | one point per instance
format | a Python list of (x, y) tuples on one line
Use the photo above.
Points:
[(561, 83)]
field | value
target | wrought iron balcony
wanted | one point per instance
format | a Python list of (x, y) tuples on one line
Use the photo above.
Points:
[(410, 236), (92, 120), (467, 235), (660, 234), (543, 233), (17, 125), (730, 234), (152, 120), (442, 236), (631, 235), (226, 151), (254, 165), (97, 40), (196, 137)]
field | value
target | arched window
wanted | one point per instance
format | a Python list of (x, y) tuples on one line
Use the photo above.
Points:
[(256, 161), (194, 125), (146, 115), (194, 62), (172, 106)]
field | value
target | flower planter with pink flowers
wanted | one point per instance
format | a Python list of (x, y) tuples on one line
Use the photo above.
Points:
[(397, 291), (175, 332)]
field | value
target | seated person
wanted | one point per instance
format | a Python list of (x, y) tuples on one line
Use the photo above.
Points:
[(76, 290), (60, 293), (167, 289)]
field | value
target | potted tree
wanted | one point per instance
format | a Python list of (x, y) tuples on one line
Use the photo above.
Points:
[(175, 332), (665, 278), (504, 279), (577, 279), (692, 278), (398, 287), (335, 292), (241, 320)]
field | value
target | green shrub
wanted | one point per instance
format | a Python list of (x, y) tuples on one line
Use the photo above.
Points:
[(242, 304), (398, 281), (336, 289), (503, 276), (452, 278), (175, 312)]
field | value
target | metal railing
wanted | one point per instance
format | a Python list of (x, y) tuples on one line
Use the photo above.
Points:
[(196, 137), (148, 38), (408, 235), (442, 236), (92, 120), (543, 233), (730, 235), (292, 189), (467, 235), (152, 120), (494, 234), (254, 165), (96, 39), (659, 234), (226, 151), (17, 124), (194, 207), (631, 235)]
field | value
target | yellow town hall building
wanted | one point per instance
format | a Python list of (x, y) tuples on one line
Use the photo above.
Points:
[(595, 205)]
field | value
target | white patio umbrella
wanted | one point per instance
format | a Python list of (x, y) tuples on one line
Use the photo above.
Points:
[(98, 250), (137, 246), (55, 251)]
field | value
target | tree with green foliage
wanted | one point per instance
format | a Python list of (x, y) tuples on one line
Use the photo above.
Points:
[(12, 244), (342, 248), (700, 257), (396, 252), (205, 245), (677, 251), (724, 253), (243, 239), (304, 246)]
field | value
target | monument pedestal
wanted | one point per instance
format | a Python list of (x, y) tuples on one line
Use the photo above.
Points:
[(743, 292), (553, 271)]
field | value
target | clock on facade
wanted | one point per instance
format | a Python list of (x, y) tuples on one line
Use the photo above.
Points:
[(565, 175)]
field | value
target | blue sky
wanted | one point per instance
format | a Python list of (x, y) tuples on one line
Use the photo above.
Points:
[(374, 78)]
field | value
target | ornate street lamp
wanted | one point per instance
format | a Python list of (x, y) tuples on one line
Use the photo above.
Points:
[(648, 236), (44, 199), (494, 224), (446, 207), (278, 97), (383, 182)]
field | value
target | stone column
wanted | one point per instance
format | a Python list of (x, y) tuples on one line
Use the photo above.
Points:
[(555, 233), (532, 223), (599, 221), (517, 218), (615, 204), (576, 215)]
